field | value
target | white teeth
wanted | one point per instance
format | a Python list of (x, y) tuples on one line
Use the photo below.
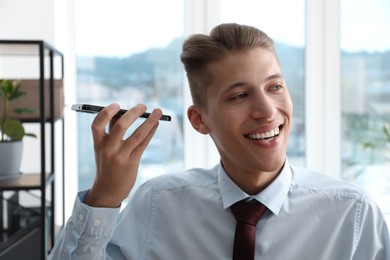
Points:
[(266, 134)]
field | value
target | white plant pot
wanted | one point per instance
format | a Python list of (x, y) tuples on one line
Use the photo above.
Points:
[(10, 159)]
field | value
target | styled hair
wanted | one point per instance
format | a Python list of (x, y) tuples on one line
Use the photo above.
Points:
[(199, 50)]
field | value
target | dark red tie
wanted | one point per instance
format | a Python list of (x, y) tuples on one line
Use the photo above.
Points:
[(247, 215)]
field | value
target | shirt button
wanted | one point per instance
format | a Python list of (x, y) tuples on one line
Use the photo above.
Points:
[(81, 217), (97, 222)]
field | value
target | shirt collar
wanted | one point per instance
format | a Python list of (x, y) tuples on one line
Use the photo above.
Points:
[(272, 197)]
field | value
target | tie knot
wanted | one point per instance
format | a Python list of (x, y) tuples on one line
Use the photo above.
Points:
[(248, 211)]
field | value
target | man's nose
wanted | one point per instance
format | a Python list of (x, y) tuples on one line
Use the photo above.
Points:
[(263, 107)]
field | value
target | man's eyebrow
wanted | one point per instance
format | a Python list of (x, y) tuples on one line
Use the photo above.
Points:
[(240, 84), (274, 76)]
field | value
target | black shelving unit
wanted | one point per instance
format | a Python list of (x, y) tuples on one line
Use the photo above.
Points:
[(45, 223)]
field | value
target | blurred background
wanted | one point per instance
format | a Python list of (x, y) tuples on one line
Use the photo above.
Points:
[(335, 55)]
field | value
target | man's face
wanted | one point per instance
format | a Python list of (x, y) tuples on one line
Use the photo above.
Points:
[(249, 112)]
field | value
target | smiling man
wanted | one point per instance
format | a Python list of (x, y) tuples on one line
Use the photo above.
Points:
[(248, 115), (252, 205)]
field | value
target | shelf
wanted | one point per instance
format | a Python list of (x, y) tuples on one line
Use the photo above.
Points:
[(8, 239), (24, 182), (31, 100), (48, 97), (24, 48), (36, 120)]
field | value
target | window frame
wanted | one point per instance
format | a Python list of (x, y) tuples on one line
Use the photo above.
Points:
[(322, 97), (323, 87)]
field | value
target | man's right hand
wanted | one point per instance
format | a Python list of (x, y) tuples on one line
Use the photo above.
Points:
[(117, 159)]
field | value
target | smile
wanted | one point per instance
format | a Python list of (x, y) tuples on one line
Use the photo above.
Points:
[(266, 135)]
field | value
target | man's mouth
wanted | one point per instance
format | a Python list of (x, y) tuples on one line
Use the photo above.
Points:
[(267, 135)]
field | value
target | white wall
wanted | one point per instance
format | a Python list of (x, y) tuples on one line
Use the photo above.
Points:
[(23, 19)]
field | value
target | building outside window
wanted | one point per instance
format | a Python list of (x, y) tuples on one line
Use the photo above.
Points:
[(365, 80), (125, 58)]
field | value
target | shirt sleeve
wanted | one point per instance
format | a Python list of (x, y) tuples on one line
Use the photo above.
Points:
[(371, 233), (87, 233)]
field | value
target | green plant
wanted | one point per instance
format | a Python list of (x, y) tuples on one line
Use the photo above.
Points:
[(12, 129), (386, 132), (382, 138), (368, 136)]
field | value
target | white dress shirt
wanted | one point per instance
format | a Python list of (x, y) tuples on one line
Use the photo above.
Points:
[(187, 216)]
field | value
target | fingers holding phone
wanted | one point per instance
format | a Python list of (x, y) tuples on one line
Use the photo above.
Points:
[(117, 159), (98, 126), (137, 142)]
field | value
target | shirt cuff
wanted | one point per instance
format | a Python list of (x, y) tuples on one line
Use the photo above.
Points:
[(93, 222)]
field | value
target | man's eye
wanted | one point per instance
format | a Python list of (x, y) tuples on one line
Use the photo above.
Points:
[(239, 96), (277, 87)]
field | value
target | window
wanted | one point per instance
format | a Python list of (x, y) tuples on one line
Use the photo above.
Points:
[(120, 61), (289, 40), (128, 52), (365, 80)]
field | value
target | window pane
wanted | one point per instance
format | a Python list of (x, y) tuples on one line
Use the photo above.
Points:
[(289, 40), (128, 53), (366, 96)]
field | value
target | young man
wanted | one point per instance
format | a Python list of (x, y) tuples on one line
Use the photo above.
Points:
[(241, 100)]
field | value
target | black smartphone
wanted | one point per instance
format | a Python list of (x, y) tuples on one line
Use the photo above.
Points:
[(93, 109)]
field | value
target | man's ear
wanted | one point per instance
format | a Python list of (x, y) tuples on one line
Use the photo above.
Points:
[(196, 120)]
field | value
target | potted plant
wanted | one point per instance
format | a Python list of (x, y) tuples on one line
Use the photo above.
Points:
[(11, 130)]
